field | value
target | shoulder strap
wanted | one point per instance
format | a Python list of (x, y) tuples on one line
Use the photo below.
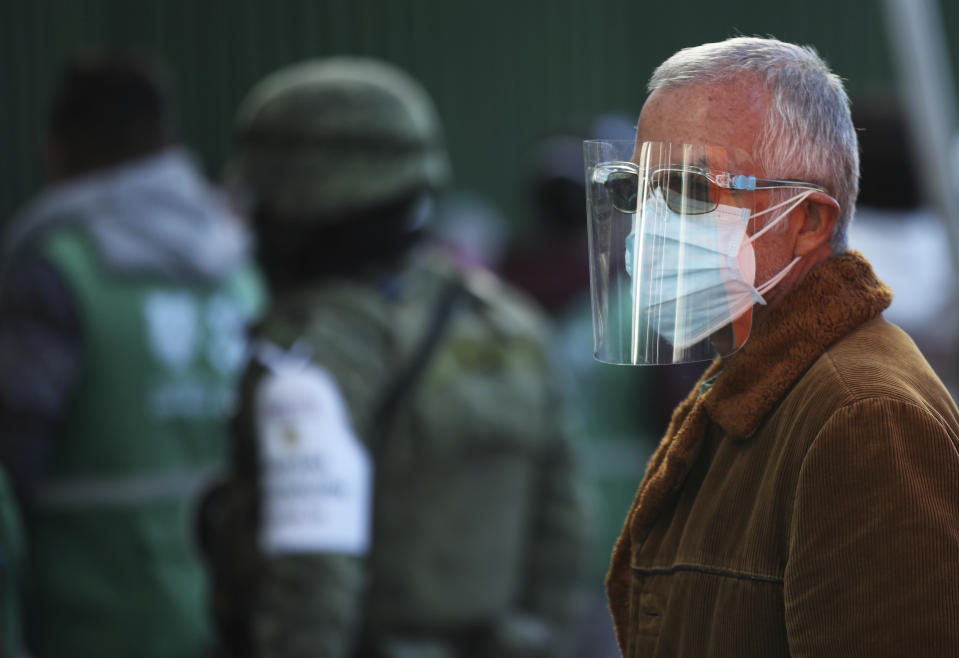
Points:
[(407, 376)]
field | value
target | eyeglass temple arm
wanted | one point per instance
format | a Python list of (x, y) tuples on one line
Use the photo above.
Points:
[(743, 182)]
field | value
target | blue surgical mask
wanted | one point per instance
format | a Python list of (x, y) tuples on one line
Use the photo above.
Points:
[(703, 269)]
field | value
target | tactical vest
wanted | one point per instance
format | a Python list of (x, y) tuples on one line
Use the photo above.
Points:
[(456, 472), (114, 570)]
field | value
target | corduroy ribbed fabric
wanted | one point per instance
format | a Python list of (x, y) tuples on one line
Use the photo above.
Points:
[(807, 505)]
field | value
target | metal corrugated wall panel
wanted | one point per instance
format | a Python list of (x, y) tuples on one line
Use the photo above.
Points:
[(503, 71)]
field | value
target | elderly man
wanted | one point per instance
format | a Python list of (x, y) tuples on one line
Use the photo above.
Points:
[(805, 498)]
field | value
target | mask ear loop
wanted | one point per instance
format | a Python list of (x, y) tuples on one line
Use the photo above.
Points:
[(793, 203), (769, 285)]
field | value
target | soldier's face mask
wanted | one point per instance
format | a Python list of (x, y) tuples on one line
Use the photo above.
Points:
[(672, 271)]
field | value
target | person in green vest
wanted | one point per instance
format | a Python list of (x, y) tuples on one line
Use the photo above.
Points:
[(125, 292), (402, 483)]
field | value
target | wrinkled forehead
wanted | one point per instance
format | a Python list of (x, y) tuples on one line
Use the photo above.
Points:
[(729, 115), (654, 156)]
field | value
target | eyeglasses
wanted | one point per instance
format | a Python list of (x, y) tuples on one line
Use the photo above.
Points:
[(687, 190)]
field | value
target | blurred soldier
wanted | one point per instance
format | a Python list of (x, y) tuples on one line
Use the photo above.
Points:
[(125, 294), (438, 377)]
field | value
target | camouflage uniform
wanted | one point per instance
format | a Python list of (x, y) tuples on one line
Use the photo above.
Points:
[(477, 522)]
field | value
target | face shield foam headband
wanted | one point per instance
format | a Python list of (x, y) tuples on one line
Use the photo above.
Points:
[(681, 286)]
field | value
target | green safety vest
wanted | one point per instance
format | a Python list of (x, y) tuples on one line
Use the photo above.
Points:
[(114, 569)]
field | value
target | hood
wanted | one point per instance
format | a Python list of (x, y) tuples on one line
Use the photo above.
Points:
[(157, 215)]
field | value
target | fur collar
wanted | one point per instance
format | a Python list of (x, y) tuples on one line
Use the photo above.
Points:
[(827, 304), (831, 301)]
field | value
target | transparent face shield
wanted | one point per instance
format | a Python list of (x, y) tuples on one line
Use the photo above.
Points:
[(672, 270)]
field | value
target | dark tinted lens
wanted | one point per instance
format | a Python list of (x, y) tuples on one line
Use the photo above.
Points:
[(685, 191), (622, 187)]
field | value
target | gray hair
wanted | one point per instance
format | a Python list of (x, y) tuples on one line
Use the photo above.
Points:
[(808, 132)]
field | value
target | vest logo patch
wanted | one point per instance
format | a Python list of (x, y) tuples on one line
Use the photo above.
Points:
[(226, 323), (172, 323)]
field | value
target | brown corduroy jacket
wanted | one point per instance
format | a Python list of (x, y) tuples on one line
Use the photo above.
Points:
[(807, 504)]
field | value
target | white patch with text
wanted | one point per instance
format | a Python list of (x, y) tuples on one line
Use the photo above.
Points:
[(316, 475)]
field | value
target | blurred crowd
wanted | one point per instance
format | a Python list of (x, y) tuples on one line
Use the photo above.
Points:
[(294, 410), (320, 405)]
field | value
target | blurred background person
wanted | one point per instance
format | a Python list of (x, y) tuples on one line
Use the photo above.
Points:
[(379, 349), (470, 228), (124, 296)]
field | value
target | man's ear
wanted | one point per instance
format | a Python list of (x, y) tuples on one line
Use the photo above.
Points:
[(820, 212)]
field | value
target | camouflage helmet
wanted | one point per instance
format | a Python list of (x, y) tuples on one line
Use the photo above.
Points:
[(328, 137)]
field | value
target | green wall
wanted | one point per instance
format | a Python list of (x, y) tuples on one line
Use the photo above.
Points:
[(502, 72)]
